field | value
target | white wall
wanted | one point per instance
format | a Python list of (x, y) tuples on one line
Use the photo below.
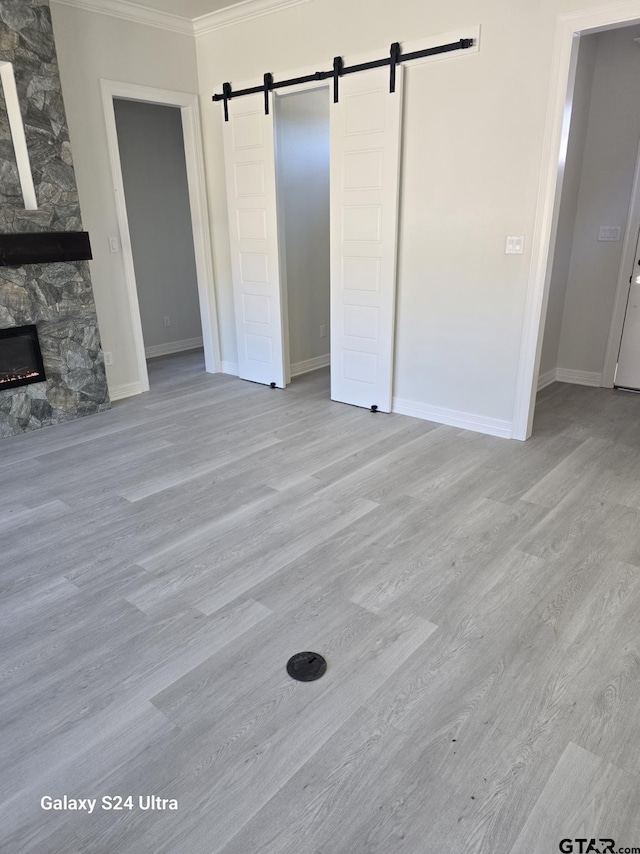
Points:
[(91, 46), (302, 122), (154, 173), (569, 202), (611, 147)]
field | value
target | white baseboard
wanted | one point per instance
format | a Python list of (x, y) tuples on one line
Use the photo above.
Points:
[(546, 379), (310, 365), (172, 347), (564, 375), (454, 418), (230, 368), (119, 392)]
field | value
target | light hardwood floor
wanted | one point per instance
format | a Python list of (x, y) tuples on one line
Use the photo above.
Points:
[(477, 600)]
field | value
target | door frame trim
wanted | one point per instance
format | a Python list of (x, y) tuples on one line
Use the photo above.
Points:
[(194, 157)]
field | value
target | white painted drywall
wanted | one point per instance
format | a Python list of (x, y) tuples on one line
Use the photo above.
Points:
[(302, 122), (91, 46), (611, 146), (154, 173), (569, 202)]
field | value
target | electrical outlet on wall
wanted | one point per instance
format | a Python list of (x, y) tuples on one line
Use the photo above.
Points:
[(167, 321), (515, 245), (609, 232)]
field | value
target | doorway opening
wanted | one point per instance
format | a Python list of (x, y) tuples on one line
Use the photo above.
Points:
[(571, 28), (191, 155), (597, 215), (302, 187), (154, 174), (365, 137)]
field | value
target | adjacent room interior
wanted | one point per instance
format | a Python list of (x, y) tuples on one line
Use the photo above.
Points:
[(152, 159), (595, 256), (302, 177)]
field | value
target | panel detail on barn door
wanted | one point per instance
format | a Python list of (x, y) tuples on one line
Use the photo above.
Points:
[(253, 234), (365, 174)]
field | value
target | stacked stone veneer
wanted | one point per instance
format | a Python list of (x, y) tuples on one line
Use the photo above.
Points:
[(58, 298)]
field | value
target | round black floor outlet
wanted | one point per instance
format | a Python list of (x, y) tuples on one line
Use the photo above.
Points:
[(306, 666)]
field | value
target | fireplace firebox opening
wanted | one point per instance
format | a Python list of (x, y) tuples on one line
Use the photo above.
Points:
[(20, 357)]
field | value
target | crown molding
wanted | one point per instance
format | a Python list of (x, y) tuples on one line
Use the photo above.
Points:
[(133, 12), (243, 11)]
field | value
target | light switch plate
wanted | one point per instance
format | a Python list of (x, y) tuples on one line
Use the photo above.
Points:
[(609, 232), (113, 244), (515, 245)]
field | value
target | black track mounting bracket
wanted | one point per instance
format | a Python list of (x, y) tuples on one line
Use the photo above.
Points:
[(395, 53), (268, 86), (226, 97), (338, 68)]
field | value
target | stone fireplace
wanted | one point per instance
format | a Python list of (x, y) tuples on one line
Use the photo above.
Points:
[(54, 297)]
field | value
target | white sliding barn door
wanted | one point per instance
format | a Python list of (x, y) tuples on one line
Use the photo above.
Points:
[(365, 172), (628, 369), (253, 228)]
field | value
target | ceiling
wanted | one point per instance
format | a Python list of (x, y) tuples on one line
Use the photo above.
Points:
[(184, 8)]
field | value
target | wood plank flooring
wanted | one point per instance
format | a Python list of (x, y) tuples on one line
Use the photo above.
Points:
[(477, 600)]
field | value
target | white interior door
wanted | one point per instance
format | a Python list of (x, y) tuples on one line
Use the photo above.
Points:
[(365, 170), (628, 369), (253, 228)]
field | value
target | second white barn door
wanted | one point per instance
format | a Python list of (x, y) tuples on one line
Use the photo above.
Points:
[(628, 368), (253, 233), (365, 170)]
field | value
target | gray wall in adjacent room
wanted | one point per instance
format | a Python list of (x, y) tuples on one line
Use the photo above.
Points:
[(157, 197), (610, 154), (569, 202), (303, 193)]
